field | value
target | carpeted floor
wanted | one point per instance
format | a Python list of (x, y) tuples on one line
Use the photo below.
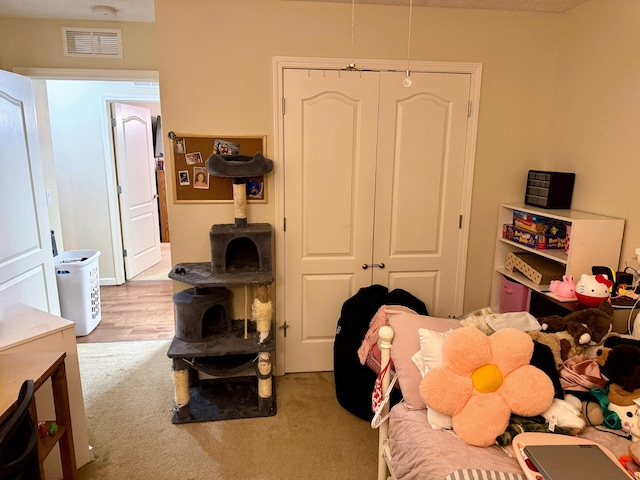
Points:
[(129, 396)]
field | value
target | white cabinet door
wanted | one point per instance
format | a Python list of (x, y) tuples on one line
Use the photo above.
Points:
[(373, 175), (26, 258)]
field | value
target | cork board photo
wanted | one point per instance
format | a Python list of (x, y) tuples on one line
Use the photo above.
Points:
[(192, 182)]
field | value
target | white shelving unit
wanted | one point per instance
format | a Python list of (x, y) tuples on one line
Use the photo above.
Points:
[(595, 240)]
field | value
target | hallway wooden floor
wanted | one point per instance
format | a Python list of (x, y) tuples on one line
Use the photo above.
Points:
[(134, 311)]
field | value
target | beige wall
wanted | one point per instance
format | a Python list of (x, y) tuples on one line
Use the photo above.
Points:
[(216, 77), (597, 112), (28, 42), (559, 91)]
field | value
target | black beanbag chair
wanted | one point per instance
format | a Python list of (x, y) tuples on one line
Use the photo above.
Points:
[(354, 381)]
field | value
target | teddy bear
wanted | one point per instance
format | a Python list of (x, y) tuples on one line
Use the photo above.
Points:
[(622, 365), (587, 327)]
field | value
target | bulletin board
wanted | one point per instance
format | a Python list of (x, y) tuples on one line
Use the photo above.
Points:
[(192, 182)]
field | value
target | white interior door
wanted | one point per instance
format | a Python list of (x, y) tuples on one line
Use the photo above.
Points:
[(373, 175), (329, 185), (26, 259), (135, 166), (421, 156)]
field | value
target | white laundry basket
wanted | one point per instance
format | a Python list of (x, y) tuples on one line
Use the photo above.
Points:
[(78, 281)]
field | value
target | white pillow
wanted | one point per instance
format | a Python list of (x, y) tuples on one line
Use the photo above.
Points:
[(430, 357), (438, 420), (431, 347)]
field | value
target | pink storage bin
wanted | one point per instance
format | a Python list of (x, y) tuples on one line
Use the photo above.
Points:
[(514, 297)]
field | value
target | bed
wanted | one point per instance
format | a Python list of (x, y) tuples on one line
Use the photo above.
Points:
[(409, 448)]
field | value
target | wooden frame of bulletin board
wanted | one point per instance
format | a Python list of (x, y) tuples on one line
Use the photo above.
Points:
[(190, 152)]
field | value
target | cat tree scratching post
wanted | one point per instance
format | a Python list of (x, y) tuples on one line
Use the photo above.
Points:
[(207, 340)]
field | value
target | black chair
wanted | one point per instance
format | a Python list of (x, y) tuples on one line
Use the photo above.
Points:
[(19, 440)]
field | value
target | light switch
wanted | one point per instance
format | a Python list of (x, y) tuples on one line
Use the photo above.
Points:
[(48, 193)]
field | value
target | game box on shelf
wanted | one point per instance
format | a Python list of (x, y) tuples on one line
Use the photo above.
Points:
[(539, 241)]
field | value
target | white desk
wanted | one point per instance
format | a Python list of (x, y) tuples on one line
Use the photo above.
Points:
[(25, 329)]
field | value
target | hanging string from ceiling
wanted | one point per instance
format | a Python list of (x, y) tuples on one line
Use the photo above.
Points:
[(352, 65), (407, 79)]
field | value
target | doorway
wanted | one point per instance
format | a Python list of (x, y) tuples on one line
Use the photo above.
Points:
[(81, 153), (136, 169)]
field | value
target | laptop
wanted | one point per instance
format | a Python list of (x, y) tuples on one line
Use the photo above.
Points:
[(574, 462)]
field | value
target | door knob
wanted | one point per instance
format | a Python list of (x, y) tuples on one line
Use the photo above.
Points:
[(372, 265)]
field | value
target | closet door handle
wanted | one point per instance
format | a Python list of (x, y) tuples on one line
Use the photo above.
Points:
[(372, 265)]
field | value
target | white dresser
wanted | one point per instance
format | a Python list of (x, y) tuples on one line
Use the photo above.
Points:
[(24, 329)]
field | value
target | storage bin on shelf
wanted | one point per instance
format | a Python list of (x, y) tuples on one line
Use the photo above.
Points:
[(514, 297), (78, 279)]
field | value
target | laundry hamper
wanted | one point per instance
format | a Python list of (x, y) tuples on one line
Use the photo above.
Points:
[(78, 280)]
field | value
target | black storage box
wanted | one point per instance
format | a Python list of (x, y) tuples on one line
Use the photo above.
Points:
[(549, 189)]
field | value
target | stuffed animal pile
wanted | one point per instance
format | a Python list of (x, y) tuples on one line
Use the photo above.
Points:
[(597, 382), (585, 338), (584, 327)]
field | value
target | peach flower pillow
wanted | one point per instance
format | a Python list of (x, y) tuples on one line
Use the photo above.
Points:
[(483, 379)]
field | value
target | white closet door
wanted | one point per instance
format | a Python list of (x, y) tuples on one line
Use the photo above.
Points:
[(421, 152), (329, 164), (373, 175)]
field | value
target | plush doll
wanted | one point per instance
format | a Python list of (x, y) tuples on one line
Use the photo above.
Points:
[(622, 366), (587, 327), (565, 414), (565, 288), (599, 352), (552, 341), (592, 413), (591, 290), (625, 405), (568, 347), (519, 424)]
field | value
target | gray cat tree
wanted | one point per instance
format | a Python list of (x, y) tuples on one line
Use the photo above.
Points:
[(211, 353)]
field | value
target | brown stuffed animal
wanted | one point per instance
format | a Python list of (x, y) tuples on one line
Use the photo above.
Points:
[(587, 327), (622, 366)]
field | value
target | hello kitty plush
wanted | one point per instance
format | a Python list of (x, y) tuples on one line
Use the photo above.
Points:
[(593, 289)]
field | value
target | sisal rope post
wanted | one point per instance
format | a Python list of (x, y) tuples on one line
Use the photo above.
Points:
[(264, 367), (240, 201), (181, 386)]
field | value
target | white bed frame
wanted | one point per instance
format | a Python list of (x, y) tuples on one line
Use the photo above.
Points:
[(385, 471)]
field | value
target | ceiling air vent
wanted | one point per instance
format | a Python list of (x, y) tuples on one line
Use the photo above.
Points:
[(92, 42)]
